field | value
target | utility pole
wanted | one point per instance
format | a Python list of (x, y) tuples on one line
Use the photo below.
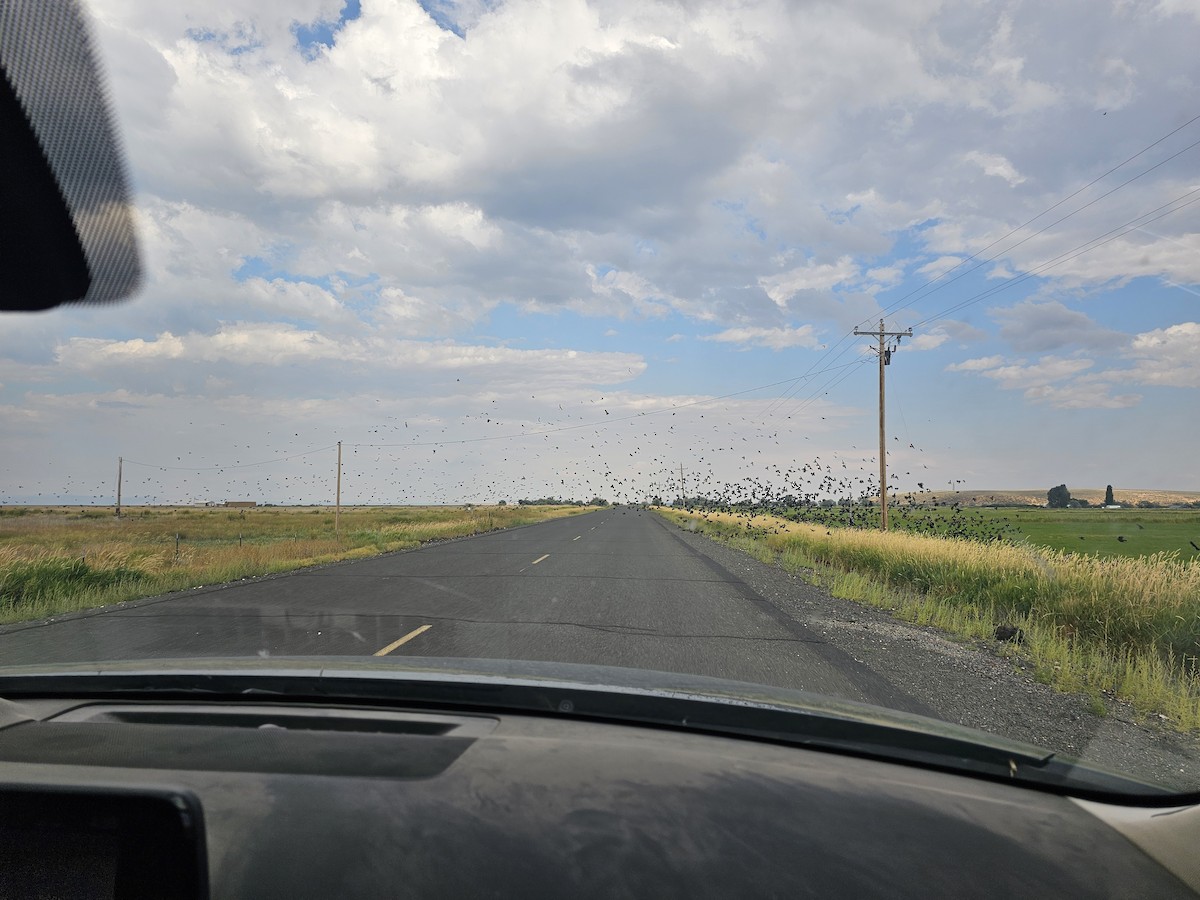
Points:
[(682, 489), (120, 465), (885, 358), (337, 511)]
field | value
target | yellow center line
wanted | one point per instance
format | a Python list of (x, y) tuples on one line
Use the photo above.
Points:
[(539, 559), (404, 640)]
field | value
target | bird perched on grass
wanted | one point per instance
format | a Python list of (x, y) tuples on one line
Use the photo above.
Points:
[(1010, 633)]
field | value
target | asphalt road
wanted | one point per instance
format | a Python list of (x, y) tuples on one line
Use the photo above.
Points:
[(617, 587)]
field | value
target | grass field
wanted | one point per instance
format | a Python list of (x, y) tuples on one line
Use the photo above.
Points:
[(1094, 496), (1116, 625), (1097, 531), (55, 559), (1093, 531)]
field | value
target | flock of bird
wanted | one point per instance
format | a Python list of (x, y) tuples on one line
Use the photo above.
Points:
[(809, 492), (733, 457), (702, 455)]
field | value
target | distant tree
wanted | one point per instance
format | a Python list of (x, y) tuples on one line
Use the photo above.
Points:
[(598, 501), (1058, 497), (1083, 502), (502, 503), (656, 500), (1108, 497)]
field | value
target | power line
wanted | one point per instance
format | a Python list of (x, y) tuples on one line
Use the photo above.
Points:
[(825, 388), (893, 306), (899, 302), (778, 404), (1067, 256), (1055, 206)]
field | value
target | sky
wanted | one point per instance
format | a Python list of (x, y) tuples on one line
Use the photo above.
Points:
[(507, 249)]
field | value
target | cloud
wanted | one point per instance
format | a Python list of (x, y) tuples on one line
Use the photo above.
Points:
[(1168, 8), (400, 314), (940, 266), (1033, 326), (886, 276), (505, 165), (811, 276), (773, 338), (339, 224), (1116, 85), (245, 345), (961, 331), (1020, 375), (979, 364), (996, 165), (930, 340), (1062, 383), (1167, 356), (1163, 357), (1081, 395), (1045, 371), (619, 292)]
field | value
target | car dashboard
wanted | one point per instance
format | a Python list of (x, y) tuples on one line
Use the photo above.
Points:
[(255, 796)]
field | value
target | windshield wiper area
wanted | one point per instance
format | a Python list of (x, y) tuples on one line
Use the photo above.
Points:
[(595, 693)]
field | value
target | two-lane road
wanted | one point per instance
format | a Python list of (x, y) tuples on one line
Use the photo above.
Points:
[(616, 587)]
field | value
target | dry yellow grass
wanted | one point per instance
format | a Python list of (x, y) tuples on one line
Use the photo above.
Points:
[(63, 558)]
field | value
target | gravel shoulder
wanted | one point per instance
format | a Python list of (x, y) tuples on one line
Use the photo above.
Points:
[(968, 682)]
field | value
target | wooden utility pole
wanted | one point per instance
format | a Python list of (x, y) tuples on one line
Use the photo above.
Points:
[(120, 465), (682, 489), (337, 511), (885, 358)]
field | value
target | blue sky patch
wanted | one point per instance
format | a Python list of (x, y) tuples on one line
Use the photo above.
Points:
[(445, 14), (313, 35)]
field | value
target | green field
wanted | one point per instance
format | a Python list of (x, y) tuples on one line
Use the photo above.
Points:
[(1096, 531), (1093, 531)]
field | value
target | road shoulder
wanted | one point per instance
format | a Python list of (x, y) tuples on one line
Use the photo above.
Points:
[(967, 683)]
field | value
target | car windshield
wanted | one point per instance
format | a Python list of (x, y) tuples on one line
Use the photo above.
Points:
[(845, 348)]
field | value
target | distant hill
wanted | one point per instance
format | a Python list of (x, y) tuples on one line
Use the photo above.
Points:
[(1094, 496)]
